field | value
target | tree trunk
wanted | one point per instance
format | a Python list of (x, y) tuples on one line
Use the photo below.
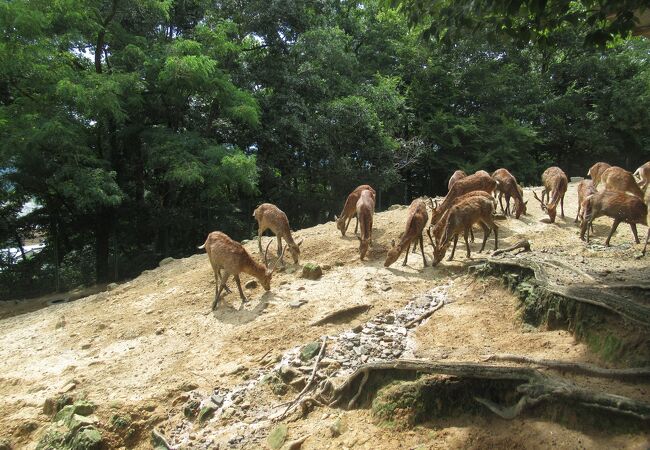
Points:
[(102, 240)]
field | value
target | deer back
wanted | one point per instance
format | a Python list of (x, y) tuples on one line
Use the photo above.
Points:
[(475, 182), (618, 179), (365, 208)]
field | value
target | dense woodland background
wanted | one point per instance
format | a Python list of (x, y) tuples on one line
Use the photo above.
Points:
[(137, 127)]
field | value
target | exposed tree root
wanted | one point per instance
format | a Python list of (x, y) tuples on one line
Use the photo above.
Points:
[(524, 245), (593, 293), (160, 440), (574, 367), (310, 381), (534, 387)]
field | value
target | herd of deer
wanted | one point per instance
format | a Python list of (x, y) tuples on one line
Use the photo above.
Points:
[(470, 200)]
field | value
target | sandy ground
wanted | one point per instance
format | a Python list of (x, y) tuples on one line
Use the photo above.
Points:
[(138, 346)]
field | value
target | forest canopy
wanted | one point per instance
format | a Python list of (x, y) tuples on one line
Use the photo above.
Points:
[(134, 128)]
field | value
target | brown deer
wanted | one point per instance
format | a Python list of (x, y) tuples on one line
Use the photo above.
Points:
[(617, 205), (231, 257), (618, 179), (365, 210), (461, 217), (555, 184), (643, 173), (438, 228), (350, 209), (455, 177), (270, 217), (507, 186), (647, 204), (416, 220), (596, 171), (585, 189), (476, 182)]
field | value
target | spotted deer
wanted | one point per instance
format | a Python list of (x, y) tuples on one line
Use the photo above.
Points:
[(619, 206), (618, 179), (350, 209), (555, 184), (270, 217), (365, 210), (455, 177), (596, 171), (416, 220), (508, 187)]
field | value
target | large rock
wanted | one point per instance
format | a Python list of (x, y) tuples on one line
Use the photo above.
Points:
[(309, 351), (87, 439), (277, 437), (312, 271)]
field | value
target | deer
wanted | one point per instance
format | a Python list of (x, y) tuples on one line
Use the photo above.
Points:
[(555, 184), (585, 189), (643, 172), (461, 217), (596, 171), (365, 210), (618, 179), (455, 177), (270, 217), (231, 257), (619, 206), (416, 220), (508, 187), (350, 209), (438, 228), (647, 204), (476, 182)]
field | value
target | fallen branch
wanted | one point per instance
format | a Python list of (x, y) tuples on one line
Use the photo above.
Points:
[(427, 314), (309, 381), (525, 245), (575, 367), (361, 385)]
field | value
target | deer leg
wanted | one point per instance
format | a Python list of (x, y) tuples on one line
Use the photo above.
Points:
[(406, 256), (496, 235), (611, 232), (647, 238), (636, 236), (241, 292), (562, 206), (415, 246), (356, 225), (225, 287), (219, 290), (453, 249), (507, 212), (280, 254), (260, 232), (465, 233), (501, 202), (578, 214), (471, 233), (486, 234), (424, 258)]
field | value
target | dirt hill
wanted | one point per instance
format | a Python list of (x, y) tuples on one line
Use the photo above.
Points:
[(149, 352)]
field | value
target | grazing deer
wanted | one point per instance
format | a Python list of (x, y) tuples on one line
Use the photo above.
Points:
[(270, 217), (417, 218), (507, 185), (455, 177), (618, 179), (231, 257), (585, 189), (617, 205), (555, 184), (365, 210), (643, 173), (647, 204), (461, 217), (438, 228), (596, 171), (350, 209), (476, 182)]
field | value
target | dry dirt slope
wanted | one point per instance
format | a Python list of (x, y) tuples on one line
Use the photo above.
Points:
[(135, 348)]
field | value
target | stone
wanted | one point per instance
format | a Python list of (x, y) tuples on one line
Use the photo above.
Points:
[(165, 261), (288, 373), (160, 330), (326, 267), (87, 439), (252, 284), (85, 346), (337, 428), (112, 286), (84, 407), (309, 351), (60, 323), (187, 386), (386, 287), (312, 271), (206, 413), (297, 304), (277, 436), (339, 263)]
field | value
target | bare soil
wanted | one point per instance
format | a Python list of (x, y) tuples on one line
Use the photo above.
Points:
[(139, 348)]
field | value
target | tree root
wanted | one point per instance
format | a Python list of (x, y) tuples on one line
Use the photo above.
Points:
[(310, 381), (427, 314), (160, 440), (524, 244), (534, 387), (580, 368)]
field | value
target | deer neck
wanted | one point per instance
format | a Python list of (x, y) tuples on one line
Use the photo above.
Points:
[(255, 269)]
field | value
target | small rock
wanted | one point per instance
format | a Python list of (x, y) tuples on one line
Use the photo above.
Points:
[(283, 282), (252, 284), (68, 387), (112, 286), (337, 428), (88, 439), (288, 373), (339, 263), (160, 330), (217, 399), (165, 261), (206, 413), (326, 267), (60, 323), (228, 413), (312, 271), (277, 437), (297, 304), (187, 386), (309, 351), (301, 288), (386, 287), (85, 346)]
